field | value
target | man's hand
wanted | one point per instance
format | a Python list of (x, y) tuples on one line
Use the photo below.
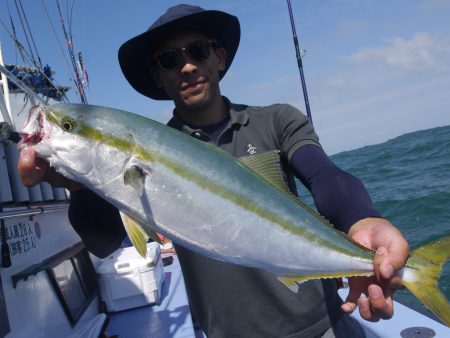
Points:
[(374, 294), (33, 170)]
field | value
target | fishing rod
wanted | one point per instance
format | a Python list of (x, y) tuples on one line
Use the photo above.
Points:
[(299, 61), (72, 57)]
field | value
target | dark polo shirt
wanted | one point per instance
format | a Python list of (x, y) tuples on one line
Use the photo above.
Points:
[(234, 301)]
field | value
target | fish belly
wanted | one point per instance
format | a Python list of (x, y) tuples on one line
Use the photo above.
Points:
[(214, 226)]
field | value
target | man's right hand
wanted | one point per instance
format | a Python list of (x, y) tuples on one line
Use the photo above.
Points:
[(33, 170)]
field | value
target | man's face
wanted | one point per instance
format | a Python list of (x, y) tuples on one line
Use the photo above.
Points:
[(190, 82)]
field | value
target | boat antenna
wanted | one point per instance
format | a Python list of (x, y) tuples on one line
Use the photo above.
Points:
[(299, 61)]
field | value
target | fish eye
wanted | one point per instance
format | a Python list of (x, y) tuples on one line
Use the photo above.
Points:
[(68, 124)]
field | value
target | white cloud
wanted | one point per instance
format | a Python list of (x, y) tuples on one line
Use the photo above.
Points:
[(422, 51)]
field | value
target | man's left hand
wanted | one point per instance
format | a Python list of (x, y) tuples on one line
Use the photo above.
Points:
[(373, 295)]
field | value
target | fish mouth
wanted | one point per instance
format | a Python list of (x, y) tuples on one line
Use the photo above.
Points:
[(33, 131), (28, 140)]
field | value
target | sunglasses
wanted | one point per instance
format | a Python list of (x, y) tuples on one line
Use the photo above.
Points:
[(197, 50)]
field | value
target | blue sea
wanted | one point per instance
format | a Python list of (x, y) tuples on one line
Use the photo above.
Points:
[(408, 179)]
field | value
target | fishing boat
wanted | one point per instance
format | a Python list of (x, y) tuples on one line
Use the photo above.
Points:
[(51, 286)]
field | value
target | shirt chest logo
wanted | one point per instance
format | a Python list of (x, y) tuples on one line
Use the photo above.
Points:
[(251, 149)]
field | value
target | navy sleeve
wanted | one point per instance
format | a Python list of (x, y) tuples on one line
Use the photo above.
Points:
[(338, 196), (96, 221)]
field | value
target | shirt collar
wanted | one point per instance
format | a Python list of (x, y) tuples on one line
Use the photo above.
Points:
[(238, 116)]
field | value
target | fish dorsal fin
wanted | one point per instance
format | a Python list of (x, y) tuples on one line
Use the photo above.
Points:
[(134, 176), (138, 236), (267, 165)]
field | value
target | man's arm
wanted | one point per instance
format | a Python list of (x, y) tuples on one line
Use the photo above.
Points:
[(339, 197), (343, 199)]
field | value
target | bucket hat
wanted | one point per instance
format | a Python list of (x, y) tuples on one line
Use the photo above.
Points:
[(134, 53)]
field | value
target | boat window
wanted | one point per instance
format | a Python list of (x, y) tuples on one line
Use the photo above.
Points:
[(75, 283)]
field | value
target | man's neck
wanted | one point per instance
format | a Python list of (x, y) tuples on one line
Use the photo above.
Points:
[(213, 113)]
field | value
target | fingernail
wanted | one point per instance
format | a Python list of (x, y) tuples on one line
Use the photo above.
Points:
[(348, 307), (364, 303), (389, 271), (375, 292)]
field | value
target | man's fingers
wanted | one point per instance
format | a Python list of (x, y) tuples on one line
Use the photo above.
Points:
[(380, 303), (31, 172), (365, 310), (376, 306), (395, 258), (351, 301), (387, 262)]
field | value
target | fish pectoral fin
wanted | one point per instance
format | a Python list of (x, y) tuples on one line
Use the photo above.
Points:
[(134, 176), (136, 233)]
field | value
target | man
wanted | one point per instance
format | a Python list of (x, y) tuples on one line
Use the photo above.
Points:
[(182, 57)]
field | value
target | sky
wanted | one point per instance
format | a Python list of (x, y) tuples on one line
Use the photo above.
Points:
[(374, 70)]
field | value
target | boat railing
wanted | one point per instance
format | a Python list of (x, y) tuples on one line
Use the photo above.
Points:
[(33, 211)]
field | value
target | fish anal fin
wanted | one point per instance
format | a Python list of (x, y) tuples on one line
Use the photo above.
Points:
[(293, 282), (136, 233)]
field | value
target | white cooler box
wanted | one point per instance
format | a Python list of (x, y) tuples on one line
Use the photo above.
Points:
[(128, 280)]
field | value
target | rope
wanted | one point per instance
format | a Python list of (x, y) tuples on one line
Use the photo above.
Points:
[(33, 60), (31, 33), (56, 39), (14, 32)]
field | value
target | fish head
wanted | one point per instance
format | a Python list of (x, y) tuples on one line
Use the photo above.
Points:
[(80, 142), (55, 136)]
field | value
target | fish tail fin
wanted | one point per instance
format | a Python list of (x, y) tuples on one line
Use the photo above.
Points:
[(421, 276)]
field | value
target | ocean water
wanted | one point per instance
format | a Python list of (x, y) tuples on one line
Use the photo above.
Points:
[(408, 179)]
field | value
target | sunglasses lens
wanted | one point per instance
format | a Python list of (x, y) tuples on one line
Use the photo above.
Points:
[(199, 50), (169, 59)]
